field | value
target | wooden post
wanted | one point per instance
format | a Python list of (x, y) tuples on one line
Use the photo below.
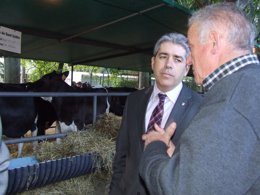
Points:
[(12, 70), (144, 80)]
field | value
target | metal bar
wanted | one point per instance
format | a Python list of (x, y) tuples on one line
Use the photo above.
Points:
[(36, 138), (114, 21), (72, 70), (94, 109)]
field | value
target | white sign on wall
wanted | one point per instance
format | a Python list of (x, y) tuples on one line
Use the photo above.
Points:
[(10, 40)]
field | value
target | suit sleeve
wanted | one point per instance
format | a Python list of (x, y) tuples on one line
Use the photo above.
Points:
[(152, 165), (214, 157), (119, 162)]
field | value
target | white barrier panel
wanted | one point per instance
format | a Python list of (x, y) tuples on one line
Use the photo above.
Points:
[(10, 40)]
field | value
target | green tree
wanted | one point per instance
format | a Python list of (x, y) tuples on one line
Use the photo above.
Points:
[(251, 7), (35, 69)]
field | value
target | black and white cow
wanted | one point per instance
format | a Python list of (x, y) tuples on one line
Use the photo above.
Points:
[(117, 103), (21, 114), (46, 115), (18, 114), (73, 113), (46, 112)]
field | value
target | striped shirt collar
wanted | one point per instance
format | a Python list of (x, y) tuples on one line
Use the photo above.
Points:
[(228, 68)]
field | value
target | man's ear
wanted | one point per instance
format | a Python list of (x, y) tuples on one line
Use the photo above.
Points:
[(187, 67), (188, 60), (214, 39), (188, 64)]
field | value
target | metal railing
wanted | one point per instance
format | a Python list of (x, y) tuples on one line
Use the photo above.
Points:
[(57, 94), (65, 94)]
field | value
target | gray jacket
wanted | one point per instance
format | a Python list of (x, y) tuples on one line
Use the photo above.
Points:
[(219, 153)]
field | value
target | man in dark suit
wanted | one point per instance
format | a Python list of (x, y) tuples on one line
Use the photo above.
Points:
[(170, 63)]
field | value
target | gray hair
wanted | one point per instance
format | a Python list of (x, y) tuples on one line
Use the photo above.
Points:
[(240, 31), (175, 38)]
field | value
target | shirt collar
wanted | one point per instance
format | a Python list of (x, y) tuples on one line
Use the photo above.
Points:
[(229, 68), (172, 94)]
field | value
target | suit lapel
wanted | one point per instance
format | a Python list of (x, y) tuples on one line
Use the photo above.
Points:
[(143, 106), (178, 112)]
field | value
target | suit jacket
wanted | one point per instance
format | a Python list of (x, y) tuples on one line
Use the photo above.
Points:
[(129, 146), (219, 153)]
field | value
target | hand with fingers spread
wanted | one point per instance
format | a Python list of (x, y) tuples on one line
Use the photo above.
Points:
[(160, 135)]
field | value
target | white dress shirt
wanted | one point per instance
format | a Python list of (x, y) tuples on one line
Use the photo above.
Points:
[(168, 103)]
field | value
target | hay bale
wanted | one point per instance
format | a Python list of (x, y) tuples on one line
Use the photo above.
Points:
[(93, 140), (108, 124), (98, 139), (80, 185), (78, 143)]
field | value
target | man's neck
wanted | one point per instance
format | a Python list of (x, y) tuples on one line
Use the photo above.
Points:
[(231, 54)]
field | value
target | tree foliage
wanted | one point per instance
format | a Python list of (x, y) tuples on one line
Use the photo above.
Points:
[(35, 69), (251, 7)]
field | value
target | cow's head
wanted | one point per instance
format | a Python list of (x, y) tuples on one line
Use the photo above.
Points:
[(51, 82)]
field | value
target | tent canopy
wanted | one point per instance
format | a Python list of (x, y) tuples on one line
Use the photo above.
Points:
[(106, 33)]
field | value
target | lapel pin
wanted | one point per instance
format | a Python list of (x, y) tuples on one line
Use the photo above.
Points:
[(183, 103)]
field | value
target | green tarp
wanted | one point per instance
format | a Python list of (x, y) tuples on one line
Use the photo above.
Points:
[(107, 33)]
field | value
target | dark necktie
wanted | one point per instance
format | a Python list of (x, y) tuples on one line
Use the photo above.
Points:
[(157, 114)]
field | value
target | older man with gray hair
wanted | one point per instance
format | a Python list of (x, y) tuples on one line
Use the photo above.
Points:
[(219, 153)]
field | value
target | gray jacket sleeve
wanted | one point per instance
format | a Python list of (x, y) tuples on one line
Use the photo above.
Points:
[(219, 164), (220, 156)]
